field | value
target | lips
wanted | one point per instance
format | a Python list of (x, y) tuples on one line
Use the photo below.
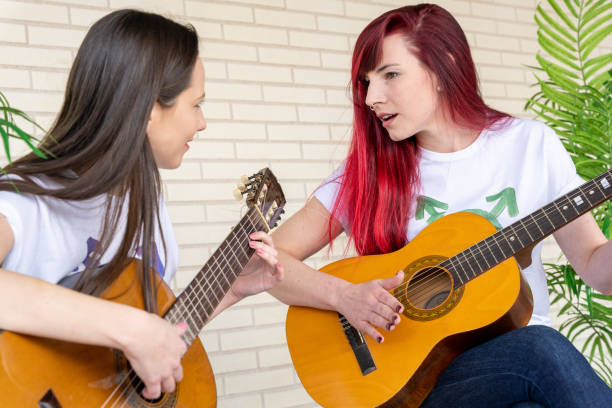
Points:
[(384, 116)]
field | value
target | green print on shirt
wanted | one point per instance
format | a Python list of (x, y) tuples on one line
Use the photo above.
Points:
[(506, 199)]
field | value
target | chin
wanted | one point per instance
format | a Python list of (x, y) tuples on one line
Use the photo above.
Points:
[(399, 138)]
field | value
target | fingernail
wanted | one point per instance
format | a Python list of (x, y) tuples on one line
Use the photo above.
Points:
[(396, 319), (388, 326), (278, 265), (182, 325), (379, 340), (252, 244), (252, 235), (259, 251), (398, 308)]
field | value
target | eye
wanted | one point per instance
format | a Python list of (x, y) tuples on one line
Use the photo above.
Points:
[(391, 75), (364, 81), (199, 105)]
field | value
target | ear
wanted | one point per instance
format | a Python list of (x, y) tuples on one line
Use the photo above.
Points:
[(155, 116)]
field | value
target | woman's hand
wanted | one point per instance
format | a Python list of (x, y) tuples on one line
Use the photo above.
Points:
[(263, 270), (369, 305), (154, 348)]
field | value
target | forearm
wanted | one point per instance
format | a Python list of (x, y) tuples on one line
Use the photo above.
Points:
[(32, 306), (305, 286), (598, 271)]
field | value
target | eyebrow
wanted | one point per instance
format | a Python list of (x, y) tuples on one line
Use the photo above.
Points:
[(385, 67), (201, 96)]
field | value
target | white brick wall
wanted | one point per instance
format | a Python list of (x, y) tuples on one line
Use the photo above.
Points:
[(277, 72)]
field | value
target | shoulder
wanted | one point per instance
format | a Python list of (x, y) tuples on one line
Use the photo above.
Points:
[(521, 127), (525, 134)]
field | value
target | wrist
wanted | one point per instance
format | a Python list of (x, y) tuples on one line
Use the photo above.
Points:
[(124, 333), (337, 289)]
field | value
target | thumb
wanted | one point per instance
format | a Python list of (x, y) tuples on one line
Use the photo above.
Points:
[(393, 281)]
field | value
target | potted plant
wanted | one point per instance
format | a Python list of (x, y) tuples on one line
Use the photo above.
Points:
[(575, 98)]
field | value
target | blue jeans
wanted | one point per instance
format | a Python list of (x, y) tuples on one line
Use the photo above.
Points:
[(530, 367)]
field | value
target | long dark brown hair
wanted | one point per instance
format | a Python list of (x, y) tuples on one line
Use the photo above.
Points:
[(128, 61), (381, 177)]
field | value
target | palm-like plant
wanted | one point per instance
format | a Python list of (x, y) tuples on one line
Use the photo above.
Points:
[(574, 98)]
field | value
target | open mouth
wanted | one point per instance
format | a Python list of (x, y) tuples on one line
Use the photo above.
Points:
[(387, 118)]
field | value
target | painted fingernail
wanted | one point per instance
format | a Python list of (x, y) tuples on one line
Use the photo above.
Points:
[(388, 326), (182, 325), (398, 308), (379, 339), (252, 244), (259, 251), (396, 319), (252, 235)]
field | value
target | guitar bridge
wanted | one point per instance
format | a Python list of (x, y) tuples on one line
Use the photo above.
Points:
[(359, 346)]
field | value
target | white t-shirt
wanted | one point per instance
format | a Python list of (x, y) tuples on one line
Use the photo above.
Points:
[(55, 238), (504, 175)]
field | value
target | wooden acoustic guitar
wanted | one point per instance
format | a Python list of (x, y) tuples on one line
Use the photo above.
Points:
[(44, 373), (450, 304)]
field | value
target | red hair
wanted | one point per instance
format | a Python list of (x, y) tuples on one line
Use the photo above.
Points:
[(381, 177)]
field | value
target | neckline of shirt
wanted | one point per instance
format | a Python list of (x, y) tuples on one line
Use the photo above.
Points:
[(464, 153)]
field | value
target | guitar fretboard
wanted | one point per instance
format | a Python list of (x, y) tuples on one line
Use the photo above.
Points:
[(505, 243), (204, 293)]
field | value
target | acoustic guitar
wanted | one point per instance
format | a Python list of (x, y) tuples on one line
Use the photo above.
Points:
[(44, 373), (450, 304)]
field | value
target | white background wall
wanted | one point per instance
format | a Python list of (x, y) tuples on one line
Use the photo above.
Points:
[(277, 74)]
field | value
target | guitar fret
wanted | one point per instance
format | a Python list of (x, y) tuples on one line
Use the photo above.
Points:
[(546, 210), (494, 251), (199, 300), (512, 239), (484, 257)]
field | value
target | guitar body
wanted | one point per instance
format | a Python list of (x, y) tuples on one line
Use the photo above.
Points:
[(85, 376), (414, 354)]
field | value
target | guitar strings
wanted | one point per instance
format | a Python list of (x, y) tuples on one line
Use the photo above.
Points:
[(428, 277), (531, 221), (127, 390)]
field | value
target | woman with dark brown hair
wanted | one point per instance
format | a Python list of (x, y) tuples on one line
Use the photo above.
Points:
[(132, 105)]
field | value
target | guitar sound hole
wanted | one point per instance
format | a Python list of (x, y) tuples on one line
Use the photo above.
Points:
[(437, 299), (429, 288), (140, 386)]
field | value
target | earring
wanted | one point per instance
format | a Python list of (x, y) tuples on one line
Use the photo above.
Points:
[(372, 107)]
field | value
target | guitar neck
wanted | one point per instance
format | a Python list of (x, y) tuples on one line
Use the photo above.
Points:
[(204, 293), (510, 240)]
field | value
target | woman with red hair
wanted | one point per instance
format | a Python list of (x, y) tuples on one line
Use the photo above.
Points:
[(424, 145)]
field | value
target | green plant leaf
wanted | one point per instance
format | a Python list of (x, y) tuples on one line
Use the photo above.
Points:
[(585, 31), (595, 10), (561, 30), (571, 8), (554, 36), (5, 141), (562, 14), (560, 54), (594, 39), (24, 136)]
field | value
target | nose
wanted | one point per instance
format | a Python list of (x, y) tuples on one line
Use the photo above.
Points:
[(201, 121), (375, 93)]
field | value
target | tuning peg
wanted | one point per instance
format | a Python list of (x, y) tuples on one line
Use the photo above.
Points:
[(237, 193), (241, 187), (244, 179)]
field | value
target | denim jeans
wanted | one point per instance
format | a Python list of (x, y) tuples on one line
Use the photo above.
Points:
[(530, 367)]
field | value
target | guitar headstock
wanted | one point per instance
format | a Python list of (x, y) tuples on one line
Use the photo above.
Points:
[(263, 192)]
